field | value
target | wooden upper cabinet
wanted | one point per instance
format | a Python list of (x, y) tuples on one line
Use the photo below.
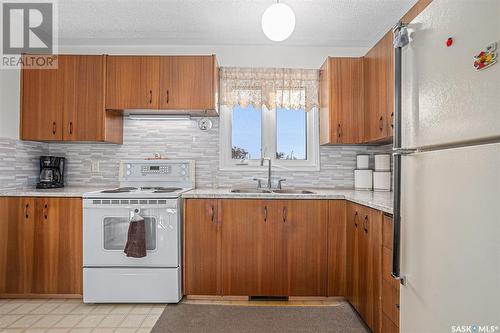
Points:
[(188, 83), (379, 91), (341, 101), (202, 247), (132, 82), (67, 103), (41, 104)]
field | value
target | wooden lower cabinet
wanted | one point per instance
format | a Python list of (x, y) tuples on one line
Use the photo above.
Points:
[(202, 247), (390, 286), (41, 246), (364, 263)]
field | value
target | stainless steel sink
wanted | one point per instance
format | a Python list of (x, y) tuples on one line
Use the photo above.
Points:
[(249, 190), (290, 191)]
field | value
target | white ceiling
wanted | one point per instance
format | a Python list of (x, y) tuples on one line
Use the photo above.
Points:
[(337, 23)]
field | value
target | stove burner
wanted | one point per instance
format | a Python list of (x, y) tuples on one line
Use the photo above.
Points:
[(120, 190)]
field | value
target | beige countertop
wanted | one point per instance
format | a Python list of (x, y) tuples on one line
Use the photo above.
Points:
[(378, 200), (68, 191)]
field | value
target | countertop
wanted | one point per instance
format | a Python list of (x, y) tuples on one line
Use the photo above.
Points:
[(68, 191), (378, 200)]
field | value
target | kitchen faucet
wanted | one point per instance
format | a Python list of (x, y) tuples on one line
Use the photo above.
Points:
[(269, 182)]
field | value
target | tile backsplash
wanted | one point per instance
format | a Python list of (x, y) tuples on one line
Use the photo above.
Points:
[(172, 139), (19, 162)]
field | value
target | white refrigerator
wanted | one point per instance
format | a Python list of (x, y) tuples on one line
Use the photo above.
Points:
[(448, 152)]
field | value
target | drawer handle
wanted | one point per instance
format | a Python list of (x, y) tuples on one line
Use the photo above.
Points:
[(213, 214), (26, 211), (284, 214), (265, 213), (45, 213)]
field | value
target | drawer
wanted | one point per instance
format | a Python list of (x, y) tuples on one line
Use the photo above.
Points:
[(387, 232)]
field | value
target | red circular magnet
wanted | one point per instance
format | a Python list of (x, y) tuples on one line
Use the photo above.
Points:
[(449, 42)]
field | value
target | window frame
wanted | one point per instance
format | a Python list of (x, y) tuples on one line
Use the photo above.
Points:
[(269, 143)]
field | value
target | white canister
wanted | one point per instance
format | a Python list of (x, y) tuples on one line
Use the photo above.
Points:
[(362, 162), (382, 162), (382, 180), (363, 179)]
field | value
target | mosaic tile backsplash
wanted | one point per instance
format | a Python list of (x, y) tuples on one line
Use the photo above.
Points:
[(172, 139)]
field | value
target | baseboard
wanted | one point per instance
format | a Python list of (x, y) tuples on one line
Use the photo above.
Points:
[(41, 296)]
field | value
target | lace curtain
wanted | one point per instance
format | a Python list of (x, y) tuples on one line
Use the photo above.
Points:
[(285, 88)]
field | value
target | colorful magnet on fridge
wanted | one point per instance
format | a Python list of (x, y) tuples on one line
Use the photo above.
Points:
[(486, 58), (449, 42)]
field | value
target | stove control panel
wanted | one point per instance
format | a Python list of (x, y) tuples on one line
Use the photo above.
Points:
[(155, 169)]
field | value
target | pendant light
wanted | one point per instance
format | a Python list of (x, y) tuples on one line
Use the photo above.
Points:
[(278, 22)]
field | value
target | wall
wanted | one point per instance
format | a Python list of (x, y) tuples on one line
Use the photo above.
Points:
[(183, 140)]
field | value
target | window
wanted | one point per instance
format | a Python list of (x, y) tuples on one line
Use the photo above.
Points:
[(248, 133), (269, 113)]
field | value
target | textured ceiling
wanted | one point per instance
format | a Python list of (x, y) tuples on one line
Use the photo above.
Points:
[(223, 22)]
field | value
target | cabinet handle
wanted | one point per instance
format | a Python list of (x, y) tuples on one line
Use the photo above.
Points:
[(54, 127), (339, 130), (284, 214), (151, 97), (397, 306), (355, 219), (26, 214), (70, 127), (392, 119), (365, 224), (381, 123), (265, 213), (212, 214), (45, 212), (168, 96)]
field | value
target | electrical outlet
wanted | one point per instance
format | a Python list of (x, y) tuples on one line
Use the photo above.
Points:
[(94, 167)]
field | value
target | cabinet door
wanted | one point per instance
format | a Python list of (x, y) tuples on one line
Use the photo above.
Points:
[(57, 264), (83, 79), (16, 244), (252, 249), (187, 82), (379, 90), (202, 247), (337, 244), (41, 105), (306, 228), (354, 255), (132, 82)]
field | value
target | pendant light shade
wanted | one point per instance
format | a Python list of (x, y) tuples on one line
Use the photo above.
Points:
[(278, 22)]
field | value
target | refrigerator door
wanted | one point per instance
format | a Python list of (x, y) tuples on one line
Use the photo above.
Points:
[(444, 99), (451, 239)]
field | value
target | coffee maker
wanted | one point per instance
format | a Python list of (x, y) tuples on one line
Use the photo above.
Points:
[(51, 172)]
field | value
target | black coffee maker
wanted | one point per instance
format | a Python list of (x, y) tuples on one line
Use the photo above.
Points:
[(51, 172)]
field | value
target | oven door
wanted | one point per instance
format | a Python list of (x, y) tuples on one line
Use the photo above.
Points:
[(105, 229)]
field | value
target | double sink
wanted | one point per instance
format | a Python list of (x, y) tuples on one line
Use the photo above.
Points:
[(265, 190)]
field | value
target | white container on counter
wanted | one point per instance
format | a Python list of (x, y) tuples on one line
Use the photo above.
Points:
[(382, 162), (363, 179), (382, 180), (362, 162)]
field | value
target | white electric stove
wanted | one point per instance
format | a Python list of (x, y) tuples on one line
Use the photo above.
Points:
[(151, 188)]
